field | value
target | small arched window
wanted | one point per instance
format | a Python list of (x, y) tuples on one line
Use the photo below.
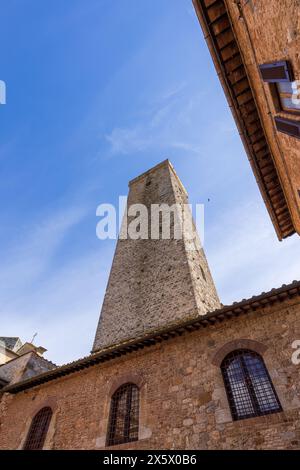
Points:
[(124, 415), (38, 429), (248, 385)]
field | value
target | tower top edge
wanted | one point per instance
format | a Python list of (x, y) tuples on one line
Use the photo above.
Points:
[(164, 163)]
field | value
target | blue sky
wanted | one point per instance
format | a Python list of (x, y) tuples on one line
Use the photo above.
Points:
[(98, 92)]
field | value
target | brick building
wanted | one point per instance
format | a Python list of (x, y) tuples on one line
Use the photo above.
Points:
[(171, 367), (255, 48)]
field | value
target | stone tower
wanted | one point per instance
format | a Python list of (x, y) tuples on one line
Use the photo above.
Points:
[(154, 282)]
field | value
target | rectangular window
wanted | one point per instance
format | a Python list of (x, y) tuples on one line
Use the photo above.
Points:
[(276, 72), (285, 91), (288, 127), (289, 96)]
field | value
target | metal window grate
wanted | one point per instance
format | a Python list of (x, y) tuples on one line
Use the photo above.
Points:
[(38, 429), (248, 385), (124, 415)]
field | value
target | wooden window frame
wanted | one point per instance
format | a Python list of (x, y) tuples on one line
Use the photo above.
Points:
[(273, 65), (273, 82), (280, 94)]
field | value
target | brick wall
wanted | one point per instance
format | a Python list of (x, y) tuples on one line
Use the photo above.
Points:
[(268, 31), (183, 403)]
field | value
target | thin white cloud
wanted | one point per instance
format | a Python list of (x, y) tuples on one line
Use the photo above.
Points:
[(127, 140), (30, 253), (64, 310), (168, 123), (58, 300), (164, 124), (245, 255), (172, 92), (186, 146)]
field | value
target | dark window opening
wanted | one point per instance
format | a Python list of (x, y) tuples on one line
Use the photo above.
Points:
[(287, 126), (248, 385), (38, 430), (284, 90), (203, 273), (275, 72), (124, 415)]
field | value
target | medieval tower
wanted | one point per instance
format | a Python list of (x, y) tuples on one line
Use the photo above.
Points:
[(154, 282)]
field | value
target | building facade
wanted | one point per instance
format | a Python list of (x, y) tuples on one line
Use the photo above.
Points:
[(255, 48), (19, 361), (191, 374), (8, 349)]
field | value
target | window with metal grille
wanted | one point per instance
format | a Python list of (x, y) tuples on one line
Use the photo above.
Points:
[(38, 429), (248, 385), (124, 415)]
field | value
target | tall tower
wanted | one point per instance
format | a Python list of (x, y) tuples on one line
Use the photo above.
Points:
[(154, 282)]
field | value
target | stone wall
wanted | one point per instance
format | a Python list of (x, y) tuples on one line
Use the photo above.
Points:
[(24, 367), (183, 404), (154, 282), (12, 370), (6, 355)]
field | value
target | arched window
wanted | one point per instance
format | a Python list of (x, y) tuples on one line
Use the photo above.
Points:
[(248, 385), (38, 429), (124, 415)]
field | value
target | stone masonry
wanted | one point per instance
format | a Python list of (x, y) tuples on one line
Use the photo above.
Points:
[(183, 404), (154, 283)]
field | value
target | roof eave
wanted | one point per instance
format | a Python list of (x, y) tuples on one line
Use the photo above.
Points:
[(285, 228), (246, 306)]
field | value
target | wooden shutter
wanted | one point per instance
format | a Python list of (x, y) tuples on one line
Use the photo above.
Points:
[(288, 126), (276, 72)]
